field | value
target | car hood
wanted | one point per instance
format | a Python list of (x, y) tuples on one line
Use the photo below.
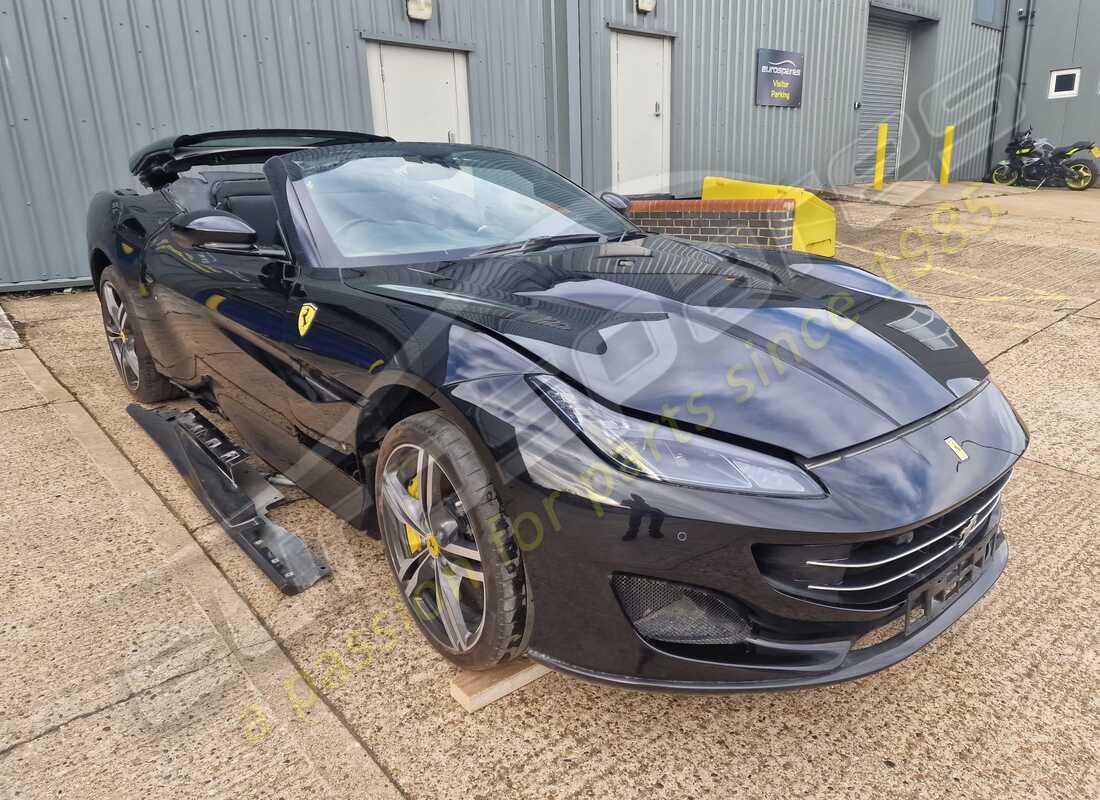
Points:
[(799, 353)]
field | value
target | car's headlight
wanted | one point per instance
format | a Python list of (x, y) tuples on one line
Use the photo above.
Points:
[(673, 455)]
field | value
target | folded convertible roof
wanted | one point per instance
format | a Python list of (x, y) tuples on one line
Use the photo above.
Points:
[(162, 161)]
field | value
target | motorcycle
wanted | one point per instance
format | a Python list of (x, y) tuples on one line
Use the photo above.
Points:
[(1038, 161)]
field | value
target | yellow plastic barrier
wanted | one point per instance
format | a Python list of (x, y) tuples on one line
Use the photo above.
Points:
[(814, 219)]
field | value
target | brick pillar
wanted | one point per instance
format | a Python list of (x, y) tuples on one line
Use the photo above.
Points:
[(759, 223)]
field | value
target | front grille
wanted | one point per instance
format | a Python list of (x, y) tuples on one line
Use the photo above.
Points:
[(879, 572)]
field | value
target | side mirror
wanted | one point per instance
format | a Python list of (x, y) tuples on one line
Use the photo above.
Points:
[(216, 228), (616, 201)]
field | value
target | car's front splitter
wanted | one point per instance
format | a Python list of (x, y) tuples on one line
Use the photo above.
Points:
[(857, 664)]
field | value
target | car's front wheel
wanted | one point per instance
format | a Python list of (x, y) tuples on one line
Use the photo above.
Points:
[(460, 574), (132, 360)]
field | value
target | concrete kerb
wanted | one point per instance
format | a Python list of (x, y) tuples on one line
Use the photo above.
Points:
[(9, 339)]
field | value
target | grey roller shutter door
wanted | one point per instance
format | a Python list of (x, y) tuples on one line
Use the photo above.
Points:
[(884, 71)]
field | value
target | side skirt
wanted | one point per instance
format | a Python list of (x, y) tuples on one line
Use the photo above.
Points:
[(236, 494), (317, 470)]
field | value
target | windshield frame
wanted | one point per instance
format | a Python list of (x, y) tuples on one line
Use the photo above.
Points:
[(325, 252)]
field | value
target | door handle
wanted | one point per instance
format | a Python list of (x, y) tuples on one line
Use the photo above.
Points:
[(657, 109)]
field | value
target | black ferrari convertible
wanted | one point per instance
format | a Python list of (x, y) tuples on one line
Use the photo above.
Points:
[(643, 460)]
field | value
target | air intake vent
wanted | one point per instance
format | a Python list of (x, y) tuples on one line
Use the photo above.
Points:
[(679, 614)]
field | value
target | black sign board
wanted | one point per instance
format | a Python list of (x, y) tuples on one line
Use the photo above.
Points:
[(778, 78)]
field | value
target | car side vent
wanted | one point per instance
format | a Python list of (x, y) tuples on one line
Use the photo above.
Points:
[(676, 613)]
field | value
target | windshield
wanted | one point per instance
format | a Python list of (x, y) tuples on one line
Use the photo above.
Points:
[(382, 203)]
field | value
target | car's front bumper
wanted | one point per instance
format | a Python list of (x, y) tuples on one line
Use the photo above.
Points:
[(576, 541), (854, 664)]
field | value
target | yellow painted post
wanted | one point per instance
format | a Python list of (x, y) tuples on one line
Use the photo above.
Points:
[(948, 146), (880, 155)]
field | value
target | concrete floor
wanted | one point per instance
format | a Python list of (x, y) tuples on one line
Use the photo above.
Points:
[(122, 677), (916, 193)]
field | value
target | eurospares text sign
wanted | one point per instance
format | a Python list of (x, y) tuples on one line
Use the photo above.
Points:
[(778, 78)]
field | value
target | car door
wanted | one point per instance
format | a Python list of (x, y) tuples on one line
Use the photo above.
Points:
[(224, 307), (334, 350), (242, 349), (135, 223)]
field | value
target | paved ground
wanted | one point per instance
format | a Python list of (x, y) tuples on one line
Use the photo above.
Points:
[(913, 194), (121, 676), (129, 666)]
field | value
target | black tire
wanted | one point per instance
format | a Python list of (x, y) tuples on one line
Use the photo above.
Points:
[(1005, 175), (127, 345), (431, 439), (1080, 166)]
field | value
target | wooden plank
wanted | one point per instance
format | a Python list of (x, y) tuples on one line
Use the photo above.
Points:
[(475, 690)]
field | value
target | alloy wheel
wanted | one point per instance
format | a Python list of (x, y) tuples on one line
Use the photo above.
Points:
[(432, 548), (120, 337), (1079, 177)]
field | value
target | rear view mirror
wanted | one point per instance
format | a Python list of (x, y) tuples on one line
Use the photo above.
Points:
[(216, 228), (616, 201)]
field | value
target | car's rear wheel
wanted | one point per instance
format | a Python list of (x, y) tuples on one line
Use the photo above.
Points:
[(132, 360), (460, 574)]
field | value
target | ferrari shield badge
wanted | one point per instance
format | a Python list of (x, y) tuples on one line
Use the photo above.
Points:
[(305, 318), (956, 448)]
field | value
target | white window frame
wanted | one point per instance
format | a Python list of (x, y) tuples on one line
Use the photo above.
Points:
[(1055, 74)]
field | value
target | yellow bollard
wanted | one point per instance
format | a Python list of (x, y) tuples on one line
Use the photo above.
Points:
[(880, 156), (948, 146)]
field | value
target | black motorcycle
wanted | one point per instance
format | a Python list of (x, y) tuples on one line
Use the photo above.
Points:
[(1039, 162)]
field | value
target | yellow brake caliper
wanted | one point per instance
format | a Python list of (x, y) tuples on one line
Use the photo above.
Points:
[(416, 541)]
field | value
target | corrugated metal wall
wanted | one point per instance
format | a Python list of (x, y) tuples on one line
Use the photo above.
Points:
[(716, 129), (86, 82), (1063, 37), (963, 89)]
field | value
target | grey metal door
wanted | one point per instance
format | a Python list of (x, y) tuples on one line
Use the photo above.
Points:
[(884, 68)]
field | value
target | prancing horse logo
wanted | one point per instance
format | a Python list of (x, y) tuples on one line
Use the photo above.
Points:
[(305, 318), (969, 528), (956, 448)]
